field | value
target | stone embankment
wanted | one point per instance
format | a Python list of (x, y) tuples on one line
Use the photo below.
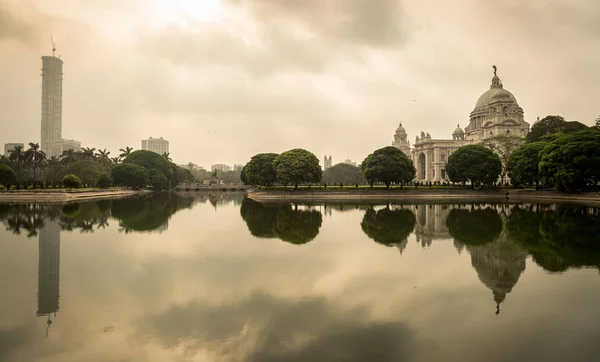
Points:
[(422, 195), (41, 196)]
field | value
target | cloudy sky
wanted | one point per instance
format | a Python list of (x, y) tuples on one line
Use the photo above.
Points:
[(225, 79)]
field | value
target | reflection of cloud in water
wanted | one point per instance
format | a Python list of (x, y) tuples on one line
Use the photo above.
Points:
[(264, 328)]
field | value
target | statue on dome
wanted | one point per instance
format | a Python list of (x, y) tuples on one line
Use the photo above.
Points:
[(422, 134), (495, 69)]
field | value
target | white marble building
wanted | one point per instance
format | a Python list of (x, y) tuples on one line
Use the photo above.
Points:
[(496, 113)]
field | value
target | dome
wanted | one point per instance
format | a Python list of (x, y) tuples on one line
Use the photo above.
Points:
[(400, 129), (494, 94), (458, 130)]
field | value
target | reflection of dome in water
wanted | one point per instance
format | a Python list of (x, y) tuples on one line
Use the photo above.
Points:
[(499, 265)]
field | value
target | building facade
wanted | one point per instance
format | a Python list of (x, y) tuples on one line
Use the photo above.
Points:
[(58, 147), (327, 162), (52, 79), (156, 145), (496, 113), (220, 167), (8, 147)]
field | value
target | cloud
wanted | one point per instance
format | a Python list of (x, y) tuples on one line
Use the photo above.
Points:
[(264, 328)]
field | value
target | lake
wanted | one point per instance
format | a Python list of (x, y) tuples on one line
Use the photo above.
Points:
[(177, 277)]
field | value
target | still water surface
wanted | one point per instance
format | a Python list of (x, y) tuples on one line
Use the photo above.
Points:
[(220, 278)]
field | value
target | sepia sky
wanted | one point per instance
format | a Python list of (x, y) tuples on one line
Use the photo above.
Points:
[(225, 79)]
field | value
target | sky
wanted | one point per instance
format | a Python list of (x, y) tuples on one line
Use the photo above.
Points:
[(223, 80)]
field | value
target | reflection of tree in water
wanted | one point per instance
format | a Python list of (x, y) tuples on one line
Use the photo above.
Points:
[(284, 222), (389, 227), (498, 261), (558, 238), (148, 213), (475, 226)]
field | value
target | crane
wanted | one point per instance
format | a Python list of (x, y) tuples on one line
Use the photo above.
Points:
[(53, 45)]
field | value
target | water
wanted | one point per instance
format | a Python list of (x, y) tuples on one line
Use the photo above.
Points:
[(219, 278)]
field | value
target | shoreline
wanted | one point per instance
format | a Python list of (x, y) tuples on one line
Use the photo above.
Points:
[(430, 196), (61, 197)]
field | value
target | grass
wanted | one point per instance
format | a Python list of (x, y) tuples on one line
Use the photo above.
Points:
[(83, 189)]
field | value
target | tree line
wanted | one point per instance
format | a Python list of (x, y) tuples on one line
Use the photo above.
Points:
[(31, 168), (555, 154)]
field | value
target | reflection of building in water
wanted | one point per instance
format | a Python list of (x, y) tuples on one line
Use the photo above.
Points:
[(431, 222), (48, 269), (499, 265)]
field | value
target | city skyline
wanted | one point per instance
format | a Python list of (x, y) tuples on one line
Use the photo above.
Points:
[(387, 64)]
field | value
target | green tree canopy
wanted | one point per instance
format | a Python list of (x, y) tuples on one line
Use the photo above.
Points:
[(523, 165), (551, 125), (572, 161), (259, 171), (388, 227), (150, 161), (159, 182), (388, 165), (104, 182), (296, 167), (474, 227), (474, 163), (343, 173), (130, 175), (7, 176)]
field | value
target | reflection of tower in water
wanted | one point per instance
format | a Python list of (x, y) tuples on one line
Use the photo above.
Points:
[(48, 270)]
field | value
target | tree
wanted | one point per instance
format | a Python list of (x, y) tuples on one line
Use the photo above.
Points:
[(167, 156), (523, 165), (474, 163), (551, 125), (504, 146), (17, 155), (88, 153), (130, 175), (571, 161), (69, 156), (103, 158), (36, 158), (296, 167), (343, 173), (388, 165), (388, 227), (597, 123), (88, 171), (71, 182), (151, 161), (474, 227), (185, 175), (259, 171), (125, 152), (116, 160), (7, 176), (53, 170), (104, 181)]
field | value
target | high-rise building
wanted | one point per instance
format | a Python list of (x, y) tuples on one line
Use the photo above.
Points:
[(349, 162), (51, 135), (237, 167), (327, 162), (220, 167), (52, 78), (156, 145), (49, 268), (11, 146)]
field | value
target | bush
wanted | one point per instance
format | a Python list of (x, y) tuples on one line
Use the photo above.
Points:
[(104, 181), (159, 182), (151, 162), (71, 182)]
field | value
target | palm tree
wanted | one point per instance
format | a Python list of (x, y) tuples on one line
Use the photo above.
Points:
[(88, 153), (53, 164), (125, 152), (36, 158), (166, 156), (116, 160), (68, 156), (17, 155), (103, 157)]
